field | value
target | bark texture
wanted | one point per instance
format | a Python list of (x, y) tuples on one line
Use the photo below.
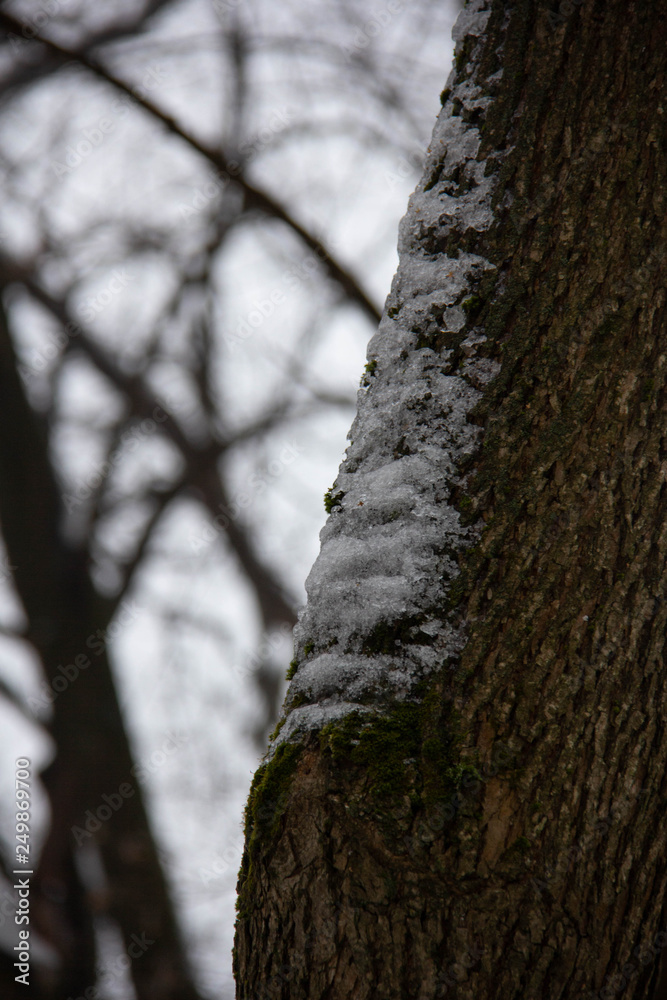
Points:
[(466, 796)]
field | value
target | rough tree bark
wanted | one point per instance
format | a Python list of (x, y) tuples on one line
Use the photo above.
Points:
[(465, 796)]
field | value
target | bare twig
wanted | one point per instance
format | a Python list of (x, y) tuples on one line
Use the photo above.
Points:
[(255, 198)]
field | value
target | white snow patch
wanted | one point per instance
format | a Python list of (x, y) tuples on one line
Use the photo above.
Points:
[(309, 717), (390, 547), (471, 21)]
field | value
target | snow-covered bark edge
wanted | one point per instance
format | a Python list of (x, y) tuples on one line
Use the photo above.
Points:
[(375, 623)]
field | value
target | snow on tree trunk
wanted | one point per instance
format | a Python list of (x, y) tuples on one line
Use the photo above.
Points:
[(466, 791), (391, 543)]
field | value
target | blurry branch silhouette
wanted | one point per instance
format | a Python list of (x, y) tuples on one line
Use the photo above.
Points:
[(15, 699), (200, 462), (255, 199), (208, 625), (160, 501), (123, 28)]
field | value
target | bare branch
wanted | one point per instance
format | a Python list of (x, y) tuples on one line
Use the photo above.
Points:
[(17, 702), (123, 28), (162, 499), (210, 626), (201, 461), (255, 198)]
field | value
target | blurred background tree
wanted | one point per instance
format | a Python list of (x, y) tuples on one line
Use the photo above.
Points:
[(197, 234)]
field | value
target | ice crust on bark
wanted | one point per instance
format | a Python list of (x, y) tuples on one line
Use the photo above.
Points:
[(374, 623)]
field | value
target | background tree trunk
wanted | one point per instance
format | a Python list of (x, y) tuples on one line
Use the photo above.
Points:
[(467, 792), (94, 758)]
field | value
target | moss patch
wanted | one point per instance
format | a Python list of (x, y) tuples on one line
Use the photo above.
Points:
[(266, 804), (369, 371), (276, 731), (471, 306), (268, 792), (332, 499), (412, 750)]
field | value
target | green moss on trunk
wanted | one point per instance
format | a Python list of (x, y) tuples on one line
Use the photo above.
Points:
[(267, 801)]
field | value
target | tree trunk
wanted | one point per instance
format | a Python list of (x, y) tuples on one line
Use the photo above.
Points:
[(465, 798), (93, 759)]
